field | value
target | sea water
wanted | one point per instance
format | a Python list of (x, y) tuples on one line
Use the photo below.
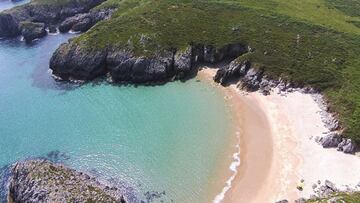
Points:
[(162, 143)]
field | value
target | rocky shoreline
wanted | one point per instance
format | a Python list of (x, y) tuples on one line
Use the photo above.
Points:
[(44, 181), (250, 78), (31, 20)]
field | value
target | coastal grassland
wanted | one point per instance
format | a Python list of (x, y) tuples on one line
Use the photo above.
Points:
[(310, 43), (339, 197)]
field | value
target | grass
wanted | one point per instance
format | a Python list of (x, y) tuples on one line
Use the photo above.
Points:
[(340, 198), (311, 42)]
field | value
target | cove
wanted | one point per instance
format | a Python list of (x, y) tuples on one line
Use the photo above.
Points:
[(166, 140)]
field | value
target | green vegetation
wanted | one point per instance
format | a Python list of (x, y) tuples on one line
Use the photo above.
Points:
[(311, 42), (339, 198)]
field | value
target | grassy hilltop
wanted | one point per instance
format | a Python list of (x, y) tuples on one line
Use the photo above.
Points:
[(310, 42)]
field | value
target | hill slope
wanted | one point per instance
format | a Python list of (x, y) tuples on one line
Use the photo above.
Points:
[(309, 43)]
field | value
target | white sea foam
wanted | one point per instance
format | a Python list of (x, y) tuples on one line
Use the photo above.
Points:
[(53, 34), (74, 32), (233, 167)]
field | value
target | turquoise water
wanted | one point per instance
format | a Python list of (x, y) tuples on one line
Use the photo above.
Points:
[(6, 4), (164, 138)]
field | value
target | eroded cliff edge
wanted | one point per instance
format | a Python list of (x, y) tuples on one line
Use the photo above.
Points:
[(43, 181)]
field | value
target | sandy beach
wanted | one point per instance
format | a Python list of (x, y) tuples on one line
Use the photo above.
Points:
[(277, 147)]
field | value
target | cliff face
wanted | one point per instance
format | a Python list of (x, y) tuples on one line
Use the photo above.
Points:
[(73, 61), (51, 13), (43, 181)]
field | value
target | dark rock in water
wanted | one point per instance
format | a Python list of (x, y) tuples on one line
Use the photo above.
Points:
[(47, 13), (331, 140), (8, 26), (43, 181), (52, 29), (75, 62), (31, 31)]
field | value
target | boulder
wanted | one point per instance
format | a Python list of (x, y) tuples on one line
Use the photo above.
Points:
[(330, 140), (31, 31), (330, 185), (347, 146)]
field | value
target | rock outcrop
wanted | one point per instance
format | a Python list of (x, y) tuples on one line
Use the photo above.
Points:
[(84, 21), (8, 26), (51, 13), (334, 140), (124, 66), (43, 181), (31, 31)]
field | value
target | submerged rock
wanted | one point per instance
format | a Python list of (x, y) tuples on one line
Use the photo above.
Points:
[(43, 181)]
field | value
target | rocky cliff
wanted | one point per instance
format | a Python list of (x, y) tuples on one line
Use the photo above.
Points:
[(74, 61), (50, 14), (43, 181)]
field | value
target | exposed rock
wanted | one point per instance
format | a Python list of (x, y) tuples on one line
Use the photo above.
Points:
[(47, 13), (347, 146), (330, 140), (183, 62), (123, 66), (233, 71), (252, 79), (282, 201), (31, 31), (52, 29), (43, 181), (75, 62), (8, 26), (330, 185), (84, 21), (301, 200)]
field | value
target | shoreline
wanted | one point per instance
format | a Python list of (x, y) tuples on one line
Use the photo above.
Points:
[(278, 148), (250, 174)]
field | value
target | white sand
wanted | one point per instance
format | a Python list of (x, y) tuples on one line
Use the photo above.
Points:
[(295, 121)]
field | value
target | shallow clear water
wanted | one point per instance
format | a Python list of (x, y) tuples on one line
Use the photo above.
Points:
[(164, 138)]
